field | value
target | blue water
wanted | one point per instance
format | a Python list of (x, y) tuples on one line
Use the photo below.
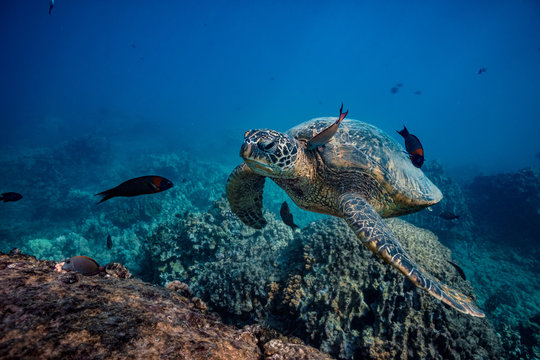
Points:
[(99, 92), (189, 71)]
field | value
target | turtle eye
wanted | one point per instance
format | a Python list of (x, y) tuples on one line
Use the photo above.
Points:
[(266, 144)]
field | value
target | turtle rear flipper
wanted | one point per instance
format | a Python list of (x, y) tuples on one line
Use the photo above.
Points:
[(376, 236), (244, 192)]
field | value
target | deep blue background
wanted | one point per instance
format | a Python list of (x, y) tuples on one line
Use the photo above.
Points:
[(198, 74)]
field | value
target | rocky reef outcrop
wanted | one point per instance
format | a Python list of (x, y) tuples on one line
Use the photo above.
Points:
[(322, 285), (46, 313), (506, 207)]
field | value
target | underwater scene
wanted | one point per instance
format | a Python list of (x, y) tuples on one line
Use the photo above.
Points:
[(270, 180)]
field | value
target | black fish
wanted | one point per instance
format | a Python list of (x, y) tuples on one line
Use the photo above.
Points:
[(394, 90), (413, 146), (481, 70), (83, 265), (417, 92), (139, 186), (10, 196), (458, 269), (448, 215), (51, 5), (286, 216), (109, 242)]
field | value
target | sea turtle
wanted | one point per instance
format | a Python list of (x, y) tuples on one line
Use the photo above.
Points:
[(356, 172)]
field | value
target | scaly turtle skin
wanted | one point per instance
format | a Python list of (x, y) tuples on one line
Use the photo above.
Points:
[(360, 174)]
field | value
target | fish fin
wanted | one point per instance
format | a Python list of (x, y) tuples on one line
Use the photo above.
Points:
[(403, 132), (106, 195), (324, 136)]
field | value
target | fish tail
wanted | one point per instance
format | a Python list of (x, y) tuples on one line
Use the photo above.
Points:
[(106, 195), (403, 132)]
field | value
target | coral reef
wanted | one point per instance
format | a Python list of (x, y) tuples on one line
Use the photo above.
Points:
[(275, 276), (322, 285), (51, 314), (352, 304), (58, 216), (224, 262)]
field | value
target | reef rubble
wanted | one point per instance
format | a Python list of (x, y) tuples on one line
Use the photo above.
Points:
[(47, 313)]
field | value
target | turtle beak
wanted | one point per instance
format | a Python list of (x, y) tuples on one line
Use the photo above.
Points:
[(249, 152)]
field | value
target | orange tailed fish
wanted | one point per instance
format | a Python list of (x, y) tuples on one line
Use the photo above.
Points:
[(413, 146), (139, 186)]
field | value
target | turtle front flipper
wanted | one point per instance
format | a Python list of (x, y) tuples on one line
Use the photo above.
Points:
[(370, 228), (244, 192)]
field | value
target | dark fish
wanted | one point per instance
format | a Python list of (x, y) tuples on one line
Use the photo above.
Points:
[(83, 265), (447, 215), (458, 269), (399, 85), (139, 186), (286, 216), (413, 146), (481, 70), (10, 196), (134, 46), (51, 5), (417, 92), (394, 90), (538, 155), (109, 242), (324, 136)]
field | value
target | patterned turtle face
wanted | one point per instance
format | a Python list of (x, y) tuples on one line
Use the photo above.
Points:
[(270, 153)]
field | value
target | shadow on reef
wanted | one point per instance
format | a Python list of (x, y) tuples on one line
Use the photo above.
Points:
[(321, 285)]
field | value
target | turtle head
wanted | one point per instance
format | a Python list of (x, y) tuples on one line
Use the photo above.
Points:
[(270, 153)]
